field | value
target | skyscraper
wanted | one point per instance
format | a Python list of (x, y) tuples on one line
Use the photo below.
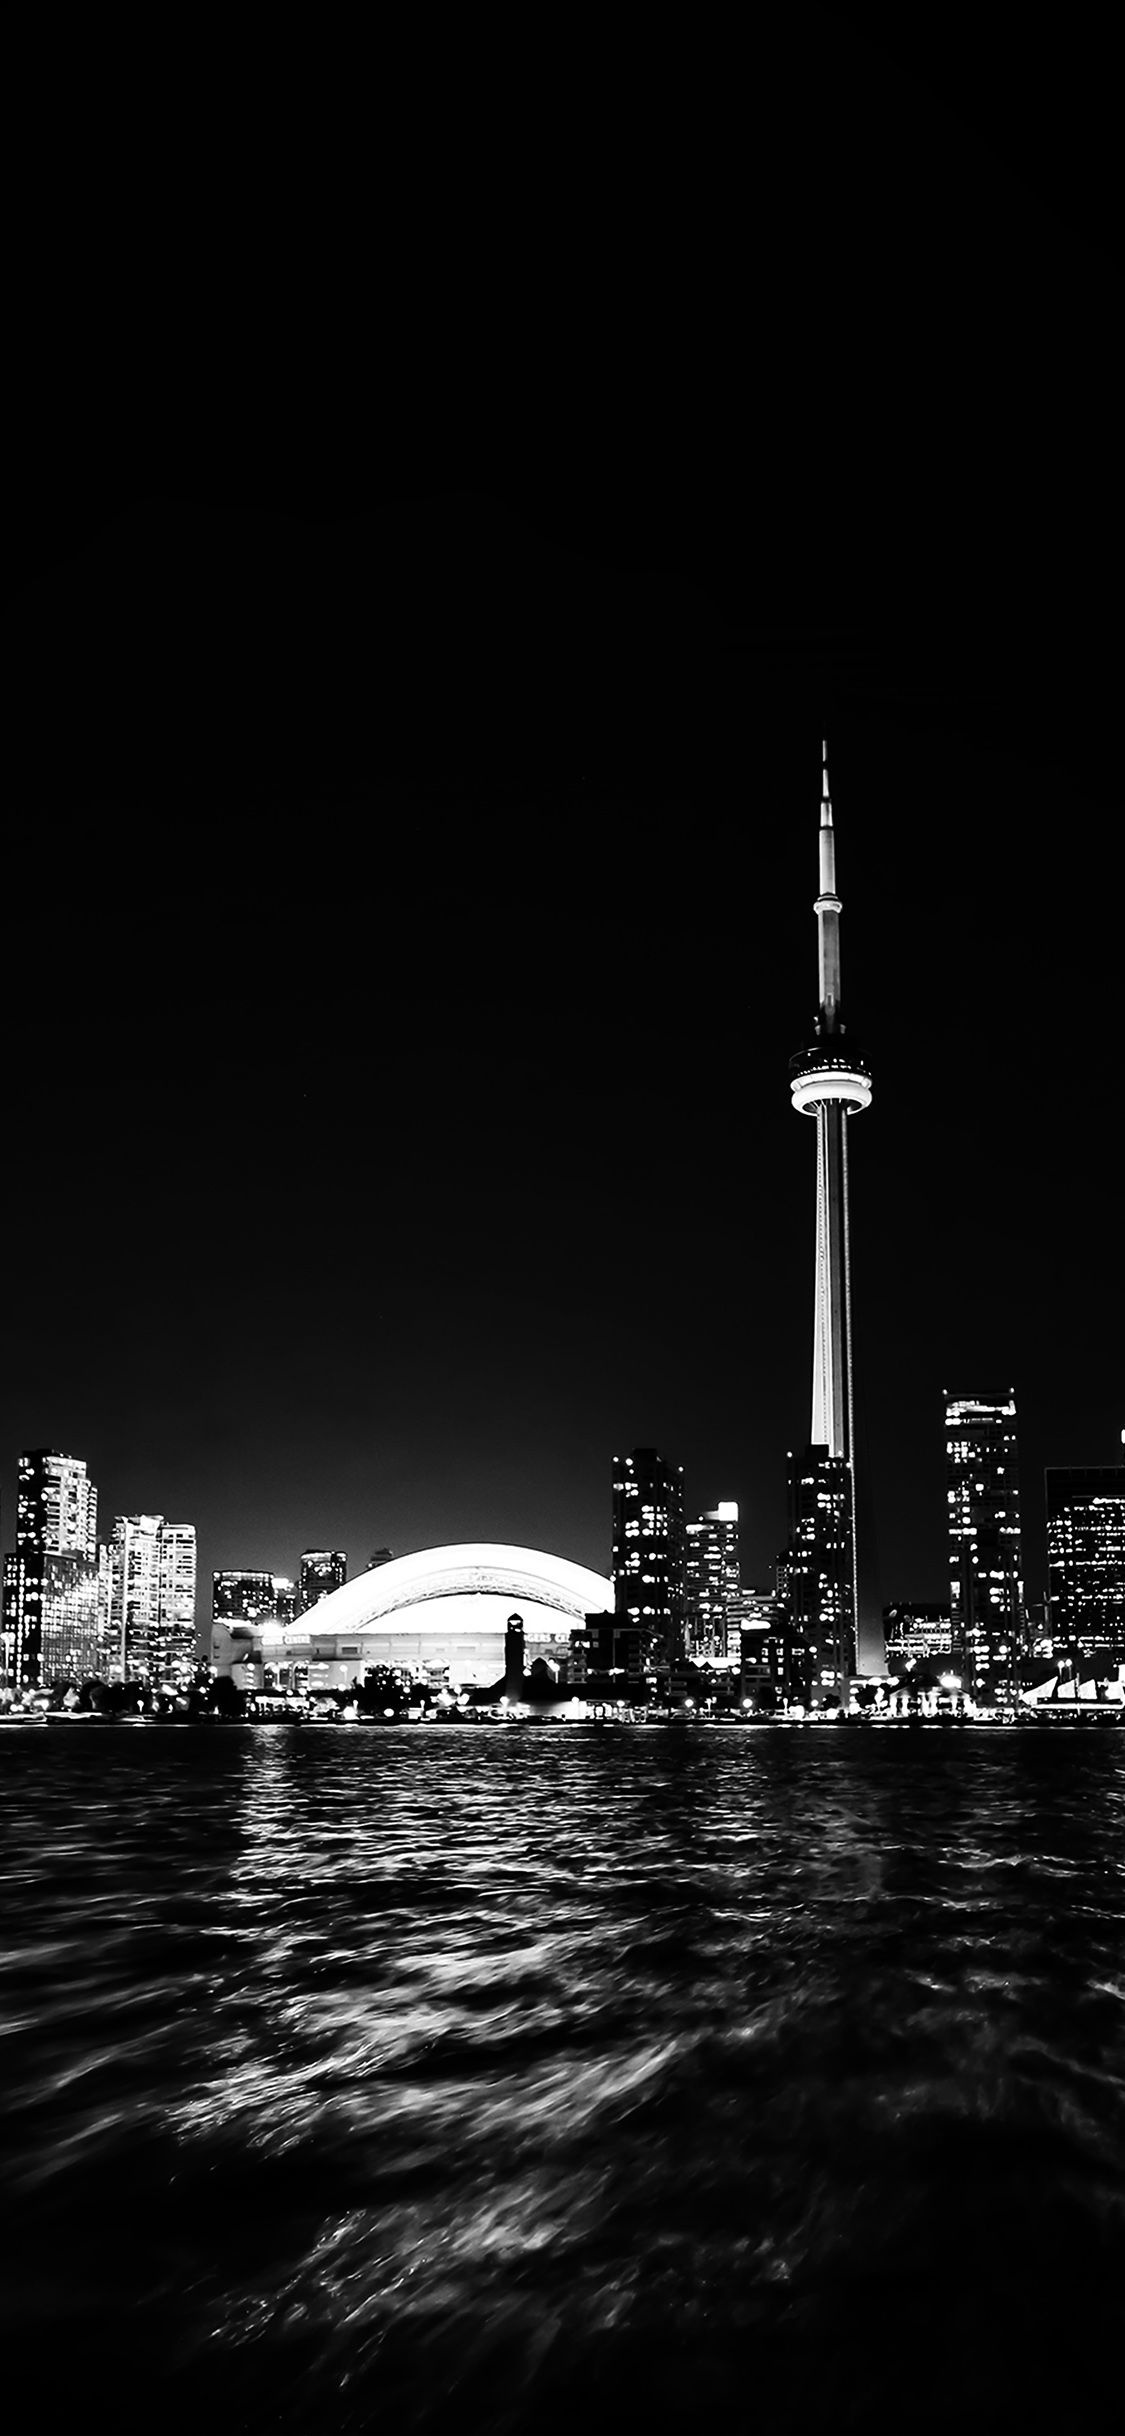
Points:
[(985, 1571), (829, 1081), (174, 1646), (711, 1583), (322, 1571), (648, 1554), (50, 1579), (819, 1583), (247, 1597), (148, 1601), (1086, 1562)]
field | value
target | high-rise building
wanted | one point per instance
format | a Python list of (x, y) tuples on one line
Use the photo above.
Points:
[(830, 1081), (322, 1571), (50, 1579), (175, 1649), (286, 1599), (712, 1582), (648, 1554), (147, 1624), (1086, 1562), (245, 1597), (985, 1569), (819, 1596)]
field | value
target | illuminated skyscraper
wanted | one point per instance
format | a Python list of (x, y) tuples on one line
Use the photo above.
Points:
[(174, 1650), (985, 1572), (248, 1597), (322, 1571), (50, 1580), (819, 1592), (828, 1081), (711, 1583), (648, 1554), (147, 1624), (1086, 1562)]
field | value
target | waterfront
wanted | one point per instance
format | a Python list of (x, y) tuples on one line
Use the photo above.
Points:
[(483, 2080)]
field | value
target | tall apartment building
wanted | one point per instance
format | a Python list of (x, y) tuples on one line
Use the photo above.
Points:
[(712, 1582), (985, 1565), (50, 1579), (648, 1554), (147, 1620), (1086, 1561)]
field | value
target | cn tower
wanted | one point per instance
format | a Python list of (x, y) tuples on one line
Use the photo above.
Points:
[(830, 1081)]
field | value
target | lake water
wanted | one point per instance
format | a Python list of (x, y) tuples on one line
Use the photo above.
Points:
[(462, 2079)]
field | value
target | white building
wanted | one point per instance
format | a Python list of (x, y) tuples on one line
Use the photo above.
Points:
[(438, 1616)]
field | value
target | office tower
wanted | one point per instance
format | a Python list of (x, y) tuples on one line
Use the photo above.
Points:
[(50, 1579), (829, 1081), (985, 1571), (648, 1554), (378, 1556), (1086, 1562), (819, 1583), (174, 1646), (322, 1571), (711, 1583), (245, 1597), (147, 1623)]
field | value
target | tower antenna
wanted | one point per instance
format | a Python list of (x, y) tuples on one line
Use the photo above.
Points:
[(831, 1082)]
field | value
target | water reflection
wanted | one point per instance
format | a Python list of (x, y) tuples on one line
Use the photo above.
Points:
[(462, 2075)]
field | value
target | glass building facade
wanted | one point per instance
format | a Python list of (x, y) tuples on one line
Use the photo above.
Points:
[(1086, 1562), (712, 1582), (817, 1581), (648, 1554), (985, 1566), (50, 1580)]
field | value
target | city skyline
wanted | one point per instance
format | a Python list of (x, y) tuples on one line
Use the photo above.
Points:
[(285, 1396)]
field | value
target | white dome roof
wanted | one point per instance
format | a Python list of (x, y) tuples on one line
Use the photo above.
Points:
[(417, 1586)]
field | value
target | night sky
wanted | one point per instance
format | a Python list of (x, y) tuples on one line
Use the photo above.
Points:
[(419, 684)]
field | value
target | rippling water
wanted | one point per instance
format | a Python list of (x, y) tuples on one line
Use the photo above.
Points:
[(437, 2078)]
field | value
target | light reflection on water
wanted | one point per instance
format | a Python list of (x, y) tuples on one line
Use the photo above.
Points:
[(464, 2077)]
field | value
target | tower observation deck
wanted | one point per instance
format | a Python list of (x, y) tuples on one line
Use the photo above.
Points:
[(829, 1080)]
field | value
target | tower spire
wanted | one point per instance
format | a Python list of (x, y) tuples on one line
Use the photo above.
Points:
[(830, 1081)]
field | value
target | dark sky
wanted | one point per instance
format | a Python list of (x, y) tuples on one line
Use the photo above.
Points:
[(419, 678)]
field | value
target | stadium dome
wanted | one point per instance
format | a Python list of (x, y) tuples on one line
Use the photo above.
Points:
[(440, 1613)]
